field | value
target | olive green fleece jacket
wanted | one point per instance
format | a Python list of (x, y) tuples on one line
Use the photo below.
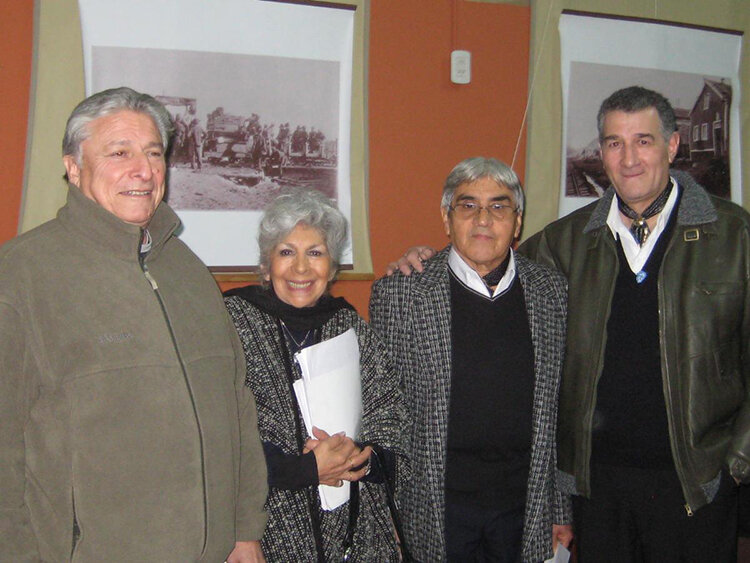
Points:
[(123, 409)]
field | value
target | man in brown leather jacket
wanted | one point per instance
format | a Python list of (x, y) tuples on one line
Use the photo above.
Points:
[(654, 424)]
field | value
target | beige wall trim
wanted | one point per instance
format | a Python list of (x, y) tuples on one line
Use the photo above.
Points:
[(57, 86)]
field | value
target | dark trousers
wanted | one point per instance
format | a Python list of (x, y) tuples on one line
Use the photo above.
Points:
[(476, 534), (638, 515)]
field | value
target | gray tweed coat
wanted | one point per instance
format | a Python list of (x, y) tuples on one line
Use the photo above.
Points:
[(412, 314), (288, 535)]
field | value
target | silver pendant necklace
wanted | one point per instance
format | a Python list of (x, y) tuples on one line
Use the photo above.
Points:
[(299, 345)]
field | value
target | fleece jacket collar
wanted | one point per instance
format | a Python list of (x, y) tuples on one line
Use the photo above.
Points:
[(96, 227)]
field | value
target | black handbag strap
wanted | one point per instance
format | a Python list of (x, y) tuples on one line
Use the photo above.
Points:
[(353, 514), (406, 555)]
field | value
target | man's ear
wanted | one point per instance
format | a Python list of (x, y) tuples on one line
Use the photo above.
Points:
[(519, 225), (73, 171), (446, 221), (673, 146)]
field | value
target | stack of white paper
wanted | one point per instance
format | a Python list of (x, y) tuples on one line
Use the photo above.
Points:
[(330, 396), (562, 555)]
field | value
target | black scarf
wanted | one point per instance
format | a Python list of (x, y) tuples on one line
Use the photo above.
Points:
[(493, 278), (296, 318), (639, 228)]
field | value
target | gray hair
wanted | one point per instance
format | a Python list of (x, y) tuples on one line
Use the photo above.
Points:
[(302, 206), (111, 101), (638, 98), (476, 168)]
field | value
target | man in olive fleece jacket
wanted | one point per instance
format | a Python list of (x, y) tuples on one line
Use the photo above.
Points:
[(126, 431)]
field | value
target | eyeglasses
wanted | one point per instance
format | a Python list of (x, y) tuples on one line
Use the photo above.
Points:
[(471, 209)]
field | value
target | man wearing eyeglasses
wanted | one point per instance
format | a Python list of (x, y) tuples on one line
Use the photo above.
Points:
[(478, 342)]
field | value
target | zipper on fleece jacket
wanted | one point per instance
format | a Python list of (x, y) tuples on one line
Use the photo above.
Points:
[(155, 288)]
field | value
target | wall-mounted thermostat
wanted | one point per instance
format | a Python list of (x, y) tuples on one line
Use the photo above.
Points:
[(460, 67)]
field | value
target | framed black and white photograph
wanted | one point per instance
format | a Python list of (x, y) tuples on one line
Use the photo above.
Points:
[(261, 96), (695, 68)]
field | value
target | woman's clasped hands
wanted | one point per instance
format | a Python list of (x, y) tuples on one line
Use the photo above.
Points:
[(338, 458)]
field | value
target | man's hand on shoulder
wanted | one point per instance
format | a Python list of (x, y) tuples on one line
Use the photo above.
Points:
[(411, 260), (246, 552)]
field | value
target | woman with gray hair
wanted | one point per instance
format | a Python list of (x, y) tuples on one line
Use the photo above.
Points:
[(302, 238)]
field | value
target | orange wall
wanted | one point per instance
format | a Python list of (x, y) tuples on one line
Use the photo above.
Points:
[(16, 31), (420, 124)]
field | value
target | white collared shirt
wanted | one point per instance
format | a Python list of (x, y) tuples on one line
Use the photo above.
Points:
[(146, 242), (638, 255), (471, 279)]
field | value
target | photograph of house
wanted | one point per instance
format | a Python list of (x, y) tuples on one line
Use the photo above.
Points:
[(709, 121)]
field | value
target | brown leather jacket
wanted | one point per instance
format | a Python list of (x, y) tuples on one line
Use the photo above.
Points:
[(704, 328)]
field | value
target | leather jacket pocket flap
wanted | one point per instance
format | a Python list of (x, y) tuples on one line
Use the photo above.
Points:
[(720, 288)]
